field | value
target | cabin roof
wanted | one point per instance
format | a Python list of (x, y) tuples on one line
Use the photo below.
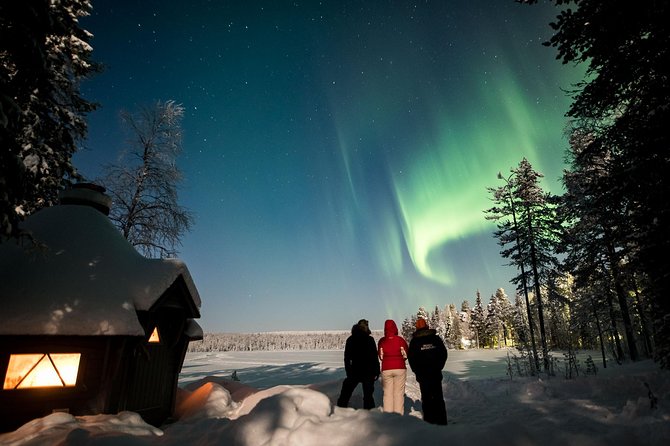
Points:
[(81, 277)]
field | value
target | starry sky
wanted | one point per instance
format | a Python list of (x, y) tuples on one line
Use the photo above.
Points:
[(336, 153)]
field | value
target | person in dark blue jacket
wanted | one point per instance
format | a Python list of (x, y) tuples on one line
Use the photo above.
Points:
[(361, 365), (427, 356)]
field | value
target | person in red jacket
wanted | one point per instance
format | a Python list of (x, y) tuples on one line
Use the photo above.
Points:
[(392, 350)]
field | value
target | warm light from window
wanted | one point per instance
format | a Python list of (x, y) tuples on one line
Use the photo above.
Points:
[(155, 338), (42, 370)]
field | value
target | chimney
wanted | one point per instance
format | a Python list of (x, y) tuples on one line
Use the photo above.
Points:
[(87, 194)]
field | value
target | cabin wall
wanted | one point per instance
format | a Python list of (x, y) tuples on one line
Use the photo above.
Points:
[(152, 381), (152, 372)]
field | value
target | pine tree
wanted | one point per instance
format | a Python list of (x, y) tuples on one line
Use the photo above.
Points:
[(539, 235), (528, 230), (623, 102), (595, 240), (44, 55)]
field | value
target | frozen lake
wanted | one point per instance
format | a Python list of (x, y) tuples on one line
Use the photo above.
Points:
[(263, 369)]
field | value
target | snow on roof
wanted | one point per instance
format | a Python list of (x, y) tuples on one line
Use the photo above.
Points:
[(84, 278)]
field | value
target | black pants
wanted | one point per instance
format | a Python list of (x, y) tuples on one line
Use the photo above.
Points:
[(434, 409), (348, 386)]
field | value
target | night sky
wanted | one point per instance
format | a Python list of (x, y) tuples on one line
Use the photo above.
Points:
[(336, 153)]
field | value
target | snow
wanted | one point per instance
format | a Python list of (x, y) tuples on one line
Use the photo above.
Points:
[(287, 398), (83, 278)]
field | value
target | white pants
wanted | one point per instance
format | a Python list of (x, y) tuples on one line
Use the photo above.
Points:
[(393, 384)]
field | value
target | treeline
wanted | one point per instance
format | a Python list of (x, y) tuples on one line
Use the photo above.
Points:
[(271, 341), (503, 322)]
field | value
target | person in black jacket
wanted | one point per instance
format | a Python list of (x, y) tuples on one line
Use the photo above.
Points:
[(427, 356), (361, 364)]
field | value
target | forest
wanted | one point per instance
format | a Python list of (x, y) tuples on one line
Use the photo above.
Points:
[(270, 341)]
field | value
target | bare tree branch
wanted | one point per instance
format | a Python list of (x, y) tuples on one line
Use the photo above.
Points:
[(143, 185)]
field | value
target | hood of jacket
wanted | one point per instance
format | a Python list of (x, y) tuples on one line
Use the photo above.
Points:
[(357, 330), (390, 328)]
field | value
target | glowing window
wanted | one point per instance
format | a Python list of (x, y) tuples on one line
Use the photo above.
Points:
[(42, 370), (155, 337)]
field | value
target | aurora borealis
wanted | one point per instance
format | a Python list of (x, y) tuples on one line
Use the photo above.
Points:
[(336, 153)]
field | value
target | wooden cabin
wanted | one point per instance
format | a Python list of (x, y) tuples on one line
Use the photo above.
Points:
[(87, 324)]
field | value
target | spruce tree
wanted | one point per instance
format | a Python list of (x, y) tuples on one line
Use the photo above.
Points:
[(478, 320), (44, 56), (493, 323), (506, 311), (455, 333)]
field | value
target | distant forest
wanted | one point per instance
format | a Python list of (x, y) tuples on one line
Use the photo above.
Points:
[(270, 341)]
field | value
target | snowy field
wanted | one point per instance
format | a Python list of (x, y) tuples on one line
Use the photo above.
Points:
[(287, 398)]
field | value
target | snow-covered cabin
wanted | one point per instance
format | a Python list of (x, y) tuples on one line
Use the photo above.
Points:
[(87, 324)]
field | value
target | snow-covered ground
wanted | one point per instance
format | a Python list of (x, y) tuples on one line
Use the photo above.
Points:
[(287, 398)]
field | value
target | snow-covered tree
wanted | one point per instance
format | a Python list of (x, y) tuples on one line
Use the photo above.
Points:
[(624, 102), (595, 239), (455, 332), (521, 335), (408, 327), (499, 317), (506, 315), (493, 322), (440, 322), (528, 230), (44, 55), (559, 301), (423, 314), (143, 185), (478, 319), (465, 316)]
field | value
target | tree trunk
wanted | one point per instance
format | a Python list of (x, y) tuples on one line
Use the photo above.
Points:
[(621, 296), (646, 338), (600, 333), (538, 295), (615, 332)]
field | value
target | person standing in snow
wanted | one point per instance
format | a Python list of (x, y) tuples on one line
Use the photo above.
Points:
[(361, 365), (427, 356), (392, 350)]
